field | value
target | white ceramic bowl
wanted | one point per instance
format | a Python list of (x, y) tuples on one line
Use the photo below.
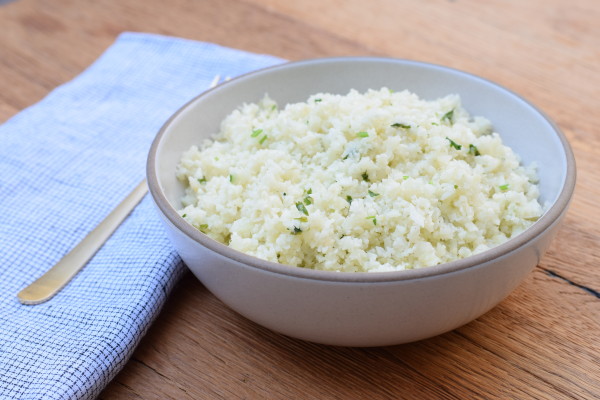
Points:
[(363, 309)]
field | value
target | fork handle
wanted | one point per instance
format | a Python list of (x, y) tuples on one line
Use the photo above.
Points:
[(62, 272)]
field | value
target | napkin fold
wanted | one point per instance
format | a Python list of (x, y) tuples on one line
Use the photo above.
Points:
[(65, 163)]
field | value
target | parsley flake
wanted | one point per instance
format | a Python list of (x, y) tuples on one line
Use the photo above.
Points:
[(365, 176), (301, 208), (256, 132), (296, 231), (448, 116), (400, 125), (308, 200), (202, 180), (373, 194), (473, 150), (504, 187), (362, 134), (373, 218), (454, 144), (349, 199), (262, 140)]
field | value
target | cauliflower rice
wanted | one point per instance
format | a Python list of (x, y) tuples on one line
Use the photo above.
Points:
[(380, 181)]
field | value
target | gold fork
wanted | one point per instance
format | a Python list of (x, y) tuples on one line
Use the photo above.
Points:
[(47, 285)]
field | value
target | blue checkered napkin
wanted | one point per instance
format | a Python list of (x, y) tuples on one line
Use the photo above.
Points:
[(65, 163)]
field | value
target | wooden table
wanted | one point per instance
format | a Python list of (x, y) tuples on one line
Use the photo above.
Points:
[(543, 341)]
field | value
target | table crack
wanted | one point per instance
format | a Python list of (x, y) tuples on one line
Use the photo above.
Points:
[(554, 274)]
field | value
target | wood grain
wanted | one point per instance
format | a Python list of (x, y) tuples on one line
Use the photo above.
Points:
[(541, 342)]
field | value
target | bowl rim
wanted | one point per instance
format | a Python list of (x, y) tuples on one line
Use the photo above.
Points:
[(548, 219)]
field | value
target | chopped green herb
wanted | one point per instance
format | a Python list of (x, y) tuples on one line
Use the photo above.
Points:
[(230, 178), (256, 132), (346, 156), (373, 194), (301, 208), (302, 219), (307, 199), (262, 140), (362, 134), (296, 231), (184, 215), (318, 100), (455, 186), (448, 116), (202, 180), (365, 176), (274, 107), (504, 187), (372, 217), (454, 144), (473, 150), (405, 177), (202, 228), (349, 199), (434, 123), (284, 193), (399, 125)]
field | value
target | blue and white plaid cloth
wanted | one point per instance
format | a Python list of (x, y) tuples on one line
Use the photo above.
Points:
[(65, 163)]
